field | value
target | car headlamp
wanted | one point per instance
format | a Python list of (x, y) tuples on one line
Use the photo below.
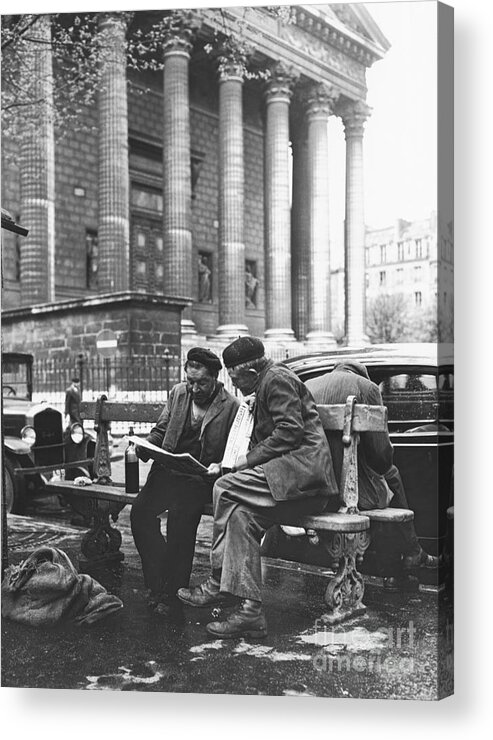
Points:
[(28, 435), (76, 433)]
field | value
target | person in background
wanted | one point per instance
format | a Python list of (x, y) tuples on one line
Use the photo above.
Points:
[(287, 471), (72, 403), (379, 481), (196, 419)]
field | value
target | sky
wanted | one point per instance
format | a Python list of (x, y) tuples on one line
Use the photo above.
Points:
[(400, 136)]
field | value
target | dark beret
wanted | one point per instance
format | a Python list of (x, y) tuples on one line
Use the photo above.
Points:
[(205, 357), (243, 349)]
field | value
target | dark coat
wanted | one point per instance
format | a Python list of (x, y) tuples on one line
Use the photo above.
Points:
[(288, 439), (215, 425), (72, 404), (374, 450)]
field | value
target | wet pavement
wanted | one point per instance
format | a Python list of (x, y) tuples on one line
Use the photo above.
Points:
[(390, 652)]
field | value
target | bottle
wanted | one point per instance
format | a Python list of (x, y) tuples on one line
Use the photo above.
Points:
[(131, 467)]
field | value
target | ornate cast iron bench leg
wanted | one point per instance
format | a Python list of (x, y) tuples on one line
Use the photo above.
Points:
[(344, 594), (100, 545)]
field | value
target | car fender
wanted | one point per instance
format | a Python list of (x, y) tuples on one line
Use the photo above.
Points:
[(16, 446)]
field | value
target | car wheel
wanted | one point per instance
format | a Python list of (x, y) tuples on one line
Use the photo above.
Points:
[(15, 501)]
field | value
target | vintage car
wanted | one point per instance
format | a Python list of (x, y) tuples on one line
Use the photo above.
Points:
[(35, 441), (417, 386)]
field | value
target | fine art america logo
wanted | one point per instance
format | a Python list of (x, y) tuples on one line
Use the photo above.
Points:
[(386, 650)]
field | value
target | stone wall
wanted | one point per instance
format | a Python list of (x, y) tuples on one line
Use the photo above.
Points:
[(144, 325)]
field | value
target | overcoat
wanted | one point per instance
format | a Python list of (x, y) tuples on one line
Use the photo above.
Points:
[(288, 439), (215, 424), (350, 378)]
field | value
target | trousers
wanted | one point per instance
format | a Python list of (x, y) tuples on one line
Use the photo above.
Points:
[(167, 562), (243, 511)]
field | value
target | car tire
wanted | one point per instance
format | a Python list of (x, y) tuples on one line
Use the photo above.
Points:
[(15, 498)]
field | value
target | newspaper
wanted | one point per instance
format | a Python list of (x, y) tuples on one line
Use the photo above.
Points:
[(239, 435), (182, 462)]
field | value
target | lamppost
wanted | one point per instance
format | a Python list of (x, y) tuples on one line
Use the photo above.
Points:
[(167, 359)]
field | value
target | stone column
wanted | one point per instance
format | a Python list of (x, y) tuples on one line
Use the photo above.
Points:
[(354, 116), (300, 230), (319, 106), (114, 217), (37, 170), (177, 183), (231, 201), (277, 209)]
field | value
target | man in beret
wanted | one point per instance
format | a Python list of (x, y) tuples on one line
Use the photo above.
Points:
[(196, 419), (286, 472)]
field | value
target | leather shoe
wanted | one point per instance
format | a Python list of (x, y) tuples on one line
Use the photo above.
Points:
[(402, 583), (246, 621), (421, 560), (206, 594)]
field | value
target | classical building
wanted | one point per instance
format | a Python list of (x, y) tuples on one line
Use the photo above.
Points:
[(191, 203), (414, 259)]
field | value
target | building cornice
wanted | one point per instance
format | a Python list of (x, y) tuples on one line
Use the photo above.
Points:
[(100, 301)]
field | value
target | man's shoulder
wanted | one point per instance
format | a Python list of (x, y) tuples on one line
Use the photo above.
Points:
[(228, 397)]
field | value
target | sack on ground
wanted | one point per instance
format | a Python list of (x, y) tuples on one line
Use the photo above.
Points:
[(46, 590)]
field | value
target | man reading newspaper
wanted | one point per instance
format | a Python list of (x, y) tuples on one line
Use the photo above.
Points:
[(196, 419)]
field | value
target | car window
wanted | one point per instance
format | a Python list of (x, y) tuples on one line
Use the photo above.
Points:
[(14, 380), (418, 397)]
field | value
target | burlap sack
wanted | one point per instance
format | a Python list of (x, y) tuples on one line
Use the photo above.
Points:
[(45, 590)]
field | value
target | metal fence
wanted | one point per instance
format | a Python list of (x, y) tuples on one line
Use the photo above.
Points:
[(141, 378), (145, 378)]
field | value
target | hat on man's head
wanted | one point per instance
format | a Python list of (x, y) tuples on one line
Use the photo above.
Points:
[(205, 357), (243, 349)]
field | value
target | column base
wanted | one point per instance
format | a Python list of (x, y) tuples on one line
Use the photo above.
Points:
[(322, 339), (232, 331), (279, 335), (188, 328), (357, 340)]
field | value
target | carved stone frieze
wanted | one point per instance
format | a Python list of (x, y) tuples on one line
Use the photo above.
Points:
[(324, 52)]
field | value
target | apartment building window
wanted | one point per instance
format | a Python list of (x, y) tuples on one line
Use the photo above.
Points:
[(400, 251), (417, 274), (382, 278), (383, 253), (419, 248), (418, 298)]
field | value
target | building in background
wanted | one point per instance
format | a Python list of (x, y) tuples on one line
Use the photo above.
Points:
[(412, 262), (171, 212)]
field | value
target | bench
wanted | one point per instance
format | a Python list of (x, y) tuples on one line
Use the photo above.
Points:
[(344, 535)]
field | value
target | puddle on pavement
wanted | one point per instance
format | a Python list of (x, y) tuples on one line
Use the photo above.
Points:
[(354, 640), (246, 648), (123, 679)]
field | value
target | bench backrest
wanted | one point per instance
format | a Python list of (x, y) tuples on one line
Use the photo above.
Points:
[(351, 419)]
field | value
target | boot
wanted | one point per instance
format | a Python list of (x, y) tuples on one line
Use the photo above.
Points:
[(420, 560), (246, 621), (416, 557), (206, 594)]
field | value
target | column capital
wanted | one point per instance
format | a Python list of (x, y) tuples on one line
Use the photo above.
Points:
[(179, 28), (320, 100), (231, 67), (279, 86), (354, 115), (121, 19)]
